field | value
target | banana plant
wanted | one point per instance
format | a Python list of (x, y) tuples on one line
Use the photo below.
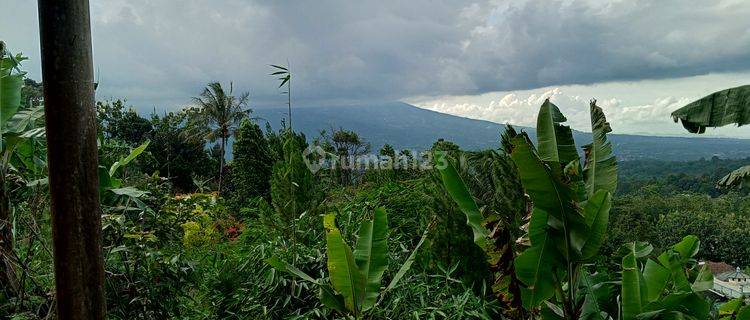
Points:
[(735, 309), (486, 187), (17, 125), (721, 108), (108, 180), (668, 287), (571, 204), (11, 82), (571, 208), (355, 276), (111, 190)]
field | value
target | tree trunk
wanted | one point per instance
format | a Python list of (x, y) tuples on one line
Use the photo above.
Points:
[(67, 72), (221, 161)]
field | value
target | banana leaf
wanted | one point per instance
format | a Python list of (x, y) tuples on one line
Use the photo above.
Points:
[(25, 119), (554, 141), (596, 290), (124, 161), (600, 169), (657, 277), (534, 267), (737, 178), (744, 314), (331, 299), (679, 305), (633, 286), (549, 192), (556, 147), (716, 110), (596, 211), (675, 259), (10, 88), (371, 254), (345, 277), (460, 194), (704, 281), (734, 309)]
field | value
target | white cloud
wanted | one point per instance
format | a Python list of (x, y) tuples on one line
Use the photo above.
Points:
[(642, 107)]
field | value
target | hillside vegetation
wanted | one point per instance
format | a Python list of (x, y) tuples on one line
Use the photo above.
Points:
[(541, 225)]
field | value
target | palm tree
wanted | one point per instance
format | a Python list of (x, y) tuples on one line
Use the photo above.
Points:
[(222, 113), (729, 106)]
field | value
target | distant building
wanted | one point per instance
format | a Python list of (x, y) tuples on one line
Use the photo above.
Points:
[(718, 267), (732, 283)]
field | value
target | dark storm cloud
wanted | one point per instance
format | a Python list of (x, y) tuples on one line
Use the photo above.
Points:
[(159, 53)]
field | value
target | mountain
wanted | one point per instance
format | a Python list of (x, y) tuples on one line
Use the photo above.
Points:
[(405, 126)]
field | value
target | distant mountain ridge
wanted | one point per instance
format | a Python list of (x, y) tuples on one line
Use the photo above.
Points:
[(405, 126)]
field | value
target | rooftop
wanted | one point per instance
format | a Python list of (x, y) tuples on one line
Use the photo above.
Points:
[(735, 275)]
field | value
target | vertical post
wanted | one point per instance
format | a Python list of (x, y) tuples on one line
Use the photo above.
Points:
[(67, 74)]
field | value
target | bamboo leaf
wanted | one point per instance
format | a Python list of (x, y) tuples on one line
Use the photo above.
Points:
[(407, 264), (327, 295), (284, 80), (288, 268)]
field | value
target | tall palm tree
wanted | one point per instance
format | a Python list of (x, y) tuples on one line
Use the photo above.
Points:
[(222, 113)]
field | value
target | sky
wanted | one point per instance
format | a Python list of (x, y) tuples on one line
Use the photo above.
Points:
[(492, 60)]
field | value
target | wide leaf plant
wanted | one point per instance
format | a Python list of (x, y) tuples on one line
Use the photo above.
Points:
[(571, 203), (571, 208), (354, 277), (718, 109), (668, 287)]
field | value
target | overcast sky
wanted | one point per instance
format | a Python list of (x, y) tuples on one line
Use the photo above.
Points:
[(493, 60)]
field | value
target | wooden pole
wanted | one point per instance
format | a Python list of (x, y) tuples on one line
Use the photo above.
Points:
[(68, 77)]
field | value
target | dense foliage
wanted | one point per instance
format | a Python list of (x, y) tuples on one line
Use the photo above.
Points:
[(251, 165), (524, 231)]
